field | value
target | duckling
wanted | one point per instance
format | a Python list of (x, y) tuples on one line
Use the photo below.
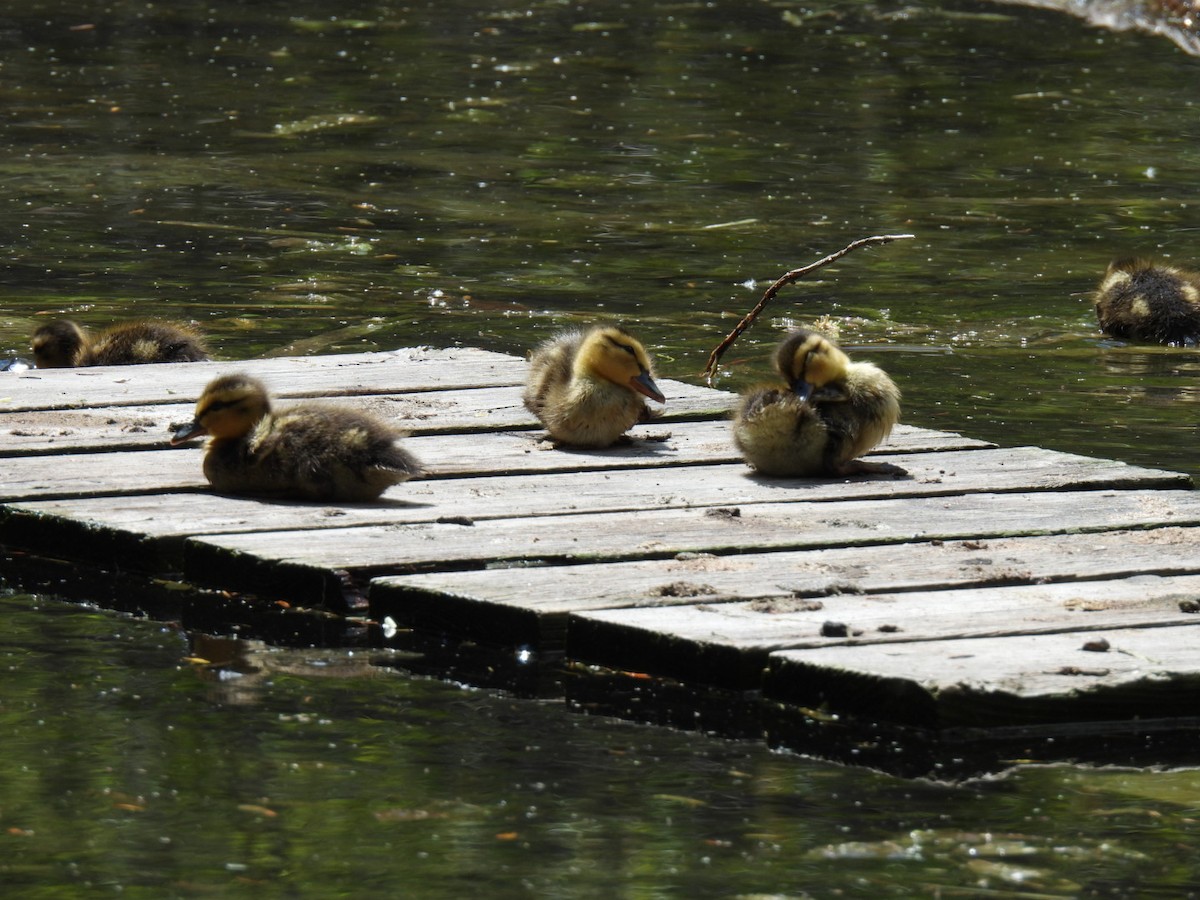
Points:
[(309, 452), (1141, 301), (833, 411), (58, 345), (63, 344), (586, 385)]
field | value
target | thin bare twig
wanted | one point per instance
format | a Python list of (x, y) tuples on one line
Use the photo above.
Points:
[(714, 358)]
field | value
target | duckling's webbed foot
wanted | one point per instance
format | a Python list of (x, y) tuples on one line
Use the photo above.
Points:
[(862, 467)]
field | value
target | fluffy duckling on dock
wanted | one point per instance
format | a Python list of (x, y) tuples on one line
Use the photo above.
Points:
[(1143, 301), (832, 412), (63, 344), (309, 451), (586, 385)]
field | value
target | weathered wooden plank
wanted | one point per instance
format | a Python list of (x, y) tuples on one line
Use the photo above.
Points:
[(135, 529), (100, 474), (532, 604), (988, 682), (397, 371), (142, 531), (111, 428), (574, 480), (728, 644), (250, 561)]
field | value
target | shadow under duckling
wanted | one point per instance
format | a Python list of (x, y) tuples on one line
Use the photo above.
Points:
[(832, 412), (63, 344), (309, 451), (1142, 301), (586, 385)]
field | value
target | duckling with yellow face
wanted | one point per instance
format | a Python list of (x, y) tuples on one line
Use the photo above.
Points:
[(63, 344), (1142, 301), (309, 452), (586, 386), (832, 412)]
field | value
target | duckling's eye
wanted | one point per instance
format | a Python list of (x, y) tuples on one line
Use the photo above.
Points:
[(628, 348)]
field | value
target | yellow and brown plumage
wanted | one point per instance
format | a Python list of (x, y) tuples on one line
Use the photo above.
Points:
[(586, 386), (309, 451), (1143, 301), (831, 412), (63, 344)]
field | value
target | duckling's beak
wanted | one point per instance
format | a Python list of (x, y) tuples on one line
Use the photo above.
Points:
[(644, 384), (187, 432), (802, 389)]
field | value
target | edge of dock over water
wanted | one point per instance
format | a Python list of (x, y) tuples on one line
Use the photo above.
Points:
[(1019, 601)]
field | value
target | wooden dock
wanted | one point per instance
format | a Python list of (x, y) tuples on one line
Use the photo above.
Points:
[(994, 602)]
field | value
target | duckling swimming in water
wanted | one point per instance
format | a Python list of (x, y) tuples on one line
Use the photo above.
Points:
[(63, 344), (832, 412), (309, 452), (586, 385), (1142, 301)]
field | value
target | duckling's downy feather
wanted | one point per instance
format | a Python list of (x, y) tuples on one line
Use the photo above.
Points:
[(63, 344), (835, 411), (1139, 300), (310, 451), (780, 434), (146, 342), (586, 386)]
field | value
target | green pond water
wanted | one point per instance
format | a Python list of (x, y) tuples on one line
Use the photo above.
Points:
[(308, 178), (132, 768)]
